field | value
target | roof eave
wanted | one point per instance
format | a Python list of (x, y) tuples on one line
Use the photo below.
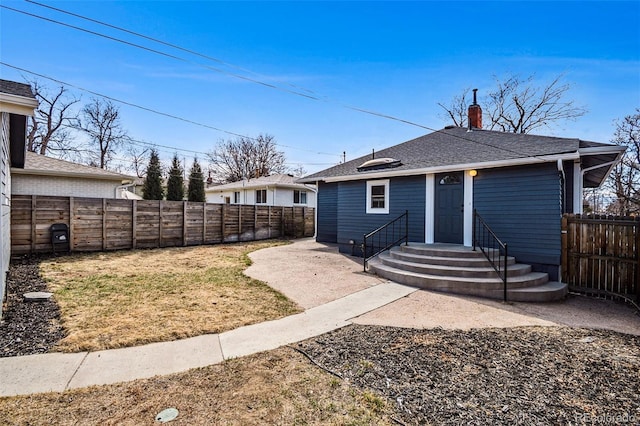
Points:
[(123, 179), (455, 167), (277, 185), (15, 104)]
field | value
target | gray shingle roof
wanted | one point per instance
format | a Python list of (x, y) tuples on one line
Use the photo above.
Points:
[(15, 88), (456, 145), (36, 164), (275, 180)]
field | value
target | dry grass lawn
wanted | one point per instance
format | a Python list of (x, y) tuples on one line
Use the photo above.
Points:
[(276, 387), (127, 298)]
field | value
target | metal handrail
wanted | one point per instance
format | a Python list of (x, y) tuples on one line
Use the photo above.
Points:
[(494, 250), (387, 228)]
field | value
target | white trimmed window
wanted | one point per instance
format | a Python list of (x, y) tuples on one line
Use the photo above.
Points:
[(378, 196), (261, 196), (236, 197), (299, 197)]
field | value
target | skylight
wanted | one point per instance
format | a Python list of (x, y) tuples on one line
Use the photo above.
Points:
[(379, 163)]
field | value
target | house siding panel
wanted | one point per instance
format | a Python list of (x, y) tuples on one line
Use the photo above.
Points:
[(405, 193), (523, 207), (64, 186), (5, 204), (327, 213)]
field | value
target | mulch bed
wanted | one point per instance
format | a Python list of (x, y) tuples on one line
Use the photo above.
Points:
[(27, 328), (525, 375)]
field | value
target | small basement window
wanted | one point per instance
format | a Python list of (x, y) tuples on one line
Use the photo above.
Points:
[(378, 196)]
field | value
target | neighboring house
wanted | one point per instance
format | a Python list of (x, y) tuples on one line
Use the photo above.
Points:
[(520, 184), (43, 175), (274, 190), (17, 102)]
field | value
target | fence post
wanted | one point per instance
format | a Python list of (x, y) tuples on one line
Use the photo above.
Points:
[(222, 220), (255, 221), (204, 223), (184, 223), (34, 206), (564, 264), (104, 224), (134, 222), (72, 209), (160, 223)]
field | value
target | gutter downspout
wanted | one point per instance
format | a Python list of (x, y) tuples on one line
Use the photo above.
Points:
[(315, 212), (119, 187)]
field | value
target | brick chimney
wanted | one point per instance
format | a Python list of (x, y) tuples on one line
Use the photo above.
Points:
[(475, 113)]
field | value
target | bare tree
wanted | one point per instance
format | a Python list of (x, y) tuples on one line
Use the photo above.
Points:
[(139, 158), (247, 158), (517, 105), (101, 121), (624, 180), (49, 128), (298, 170)]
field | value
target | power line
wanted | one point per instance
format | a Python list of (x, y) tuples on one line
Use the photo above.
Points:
[(262, 83), (174, 46), (158, 52), (316, 98), (156, 111)]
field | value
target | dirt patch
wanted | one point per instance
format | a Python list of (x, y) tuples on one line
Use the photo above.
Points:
[(127, 298), (28, 328), (275, 387), (526, 375)]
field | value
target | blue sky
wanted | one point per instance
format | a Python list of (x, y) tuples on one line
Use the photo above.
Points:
[(394, 58)]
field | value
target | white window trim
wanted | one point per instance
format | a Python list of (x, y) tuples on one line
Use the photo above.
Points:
[(371, 210), (300, 192), (266, 196)]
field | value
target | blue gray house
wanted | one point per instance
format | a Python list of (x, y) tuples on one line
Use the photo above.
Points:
[(520, 184)]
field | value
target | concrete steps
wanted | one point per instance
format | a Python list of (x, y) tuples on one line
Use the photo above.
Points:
[(457, 269)]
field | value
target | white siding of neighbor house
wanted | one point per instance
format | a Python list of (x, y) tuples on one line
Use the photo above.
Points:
[(275, 197), (64, 186), (5, 204)]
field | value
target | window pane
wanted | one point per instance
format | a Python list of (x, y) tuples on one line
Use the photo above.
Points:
[(303, 197), (377, 190), (296, 196), (450, 180), (377, 203), (261, 196), (377, 196)]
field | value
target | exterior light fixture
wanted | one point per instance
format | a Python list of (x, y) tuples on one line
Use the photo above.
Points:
[(473, 173)]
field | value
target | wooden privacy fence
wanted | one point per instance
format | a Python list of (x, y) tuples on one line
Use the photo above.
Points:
[(601, 255), (113, 224)]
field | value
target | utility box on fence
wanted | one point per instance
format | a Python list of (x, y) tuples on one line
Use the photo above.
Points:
[(60, 237)]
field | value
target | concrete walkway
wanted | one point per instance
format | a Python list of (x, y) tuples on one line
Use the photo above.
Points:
[(335, 292), (58, 372)]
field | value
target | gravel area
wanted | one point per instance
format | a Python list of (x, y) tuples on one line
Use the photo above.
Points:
[(27, 328), (522, 375)]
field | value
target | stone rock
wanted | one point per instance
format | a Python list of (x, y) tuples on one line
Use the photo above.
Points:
[(37, 296)]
